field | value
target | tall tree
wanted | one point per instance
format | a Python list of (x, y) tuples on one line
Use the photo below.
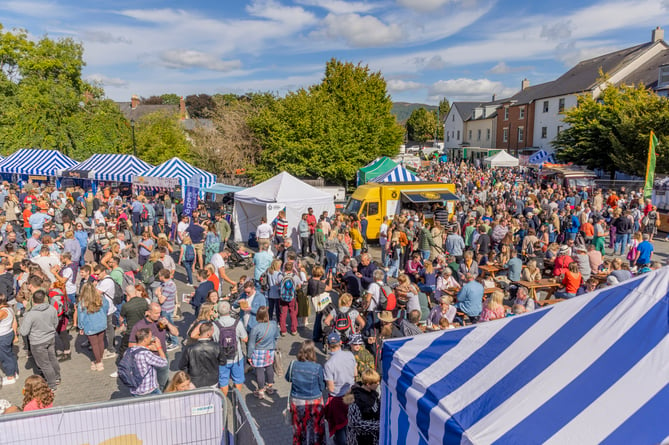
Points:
[(160, 137), (444, 109), (170, 99), (612, 131), (421, 125), (330, 129), (199, 105)]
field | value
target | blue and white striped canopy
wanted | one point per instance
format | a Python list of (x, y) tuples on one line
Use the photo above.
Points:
[(398, 174), (35, 161), (593, 369), (112, 167), (540, 157), (176, 168)]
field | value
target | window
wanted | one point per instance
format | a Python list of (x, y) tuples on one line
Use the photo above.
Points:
[(520, 134), (521, 113), (561, 105), (506, 135), (454, 118), (545, 106), (664, 75), (487, 134), (506, 113), (448, 137), (559, 129), (478, 135), (373, 209), (458, 138), (483, 115), (544, 132), (470, 135)]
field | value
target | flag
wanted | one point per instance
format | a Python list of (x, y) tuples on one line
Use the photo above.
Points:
[(650, 167)]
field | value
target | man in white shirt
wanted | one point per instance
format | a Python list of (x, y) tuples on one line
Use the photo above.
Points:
[(218, 261), (374, 290), (182, 229), (383, 238), (46, 262), (264, 231)]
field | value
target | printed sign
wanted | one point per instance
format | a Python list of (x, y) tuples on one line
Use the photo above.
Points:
[(150, 181)]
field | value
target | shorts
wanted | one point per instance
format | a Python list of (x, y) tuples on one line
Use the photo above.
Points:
[(199, 248), (236, 370)]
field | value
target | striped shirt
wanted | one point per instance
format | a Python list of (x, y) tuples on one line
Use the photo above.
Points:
[(169, 291), (281, 227)]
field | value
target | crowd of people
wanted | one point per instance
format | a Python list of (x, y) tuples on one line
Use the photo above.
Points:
[(99, 268)]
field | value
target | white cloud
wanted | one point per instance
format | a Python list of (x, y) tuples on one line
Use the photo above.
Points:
[(361, 31), (36, 9), (556, 31), (500, 68), (340, 6), (103, 37), (398, 85), (469, 88), (103, 80), (269, 9), (423, 5), (182, 58)]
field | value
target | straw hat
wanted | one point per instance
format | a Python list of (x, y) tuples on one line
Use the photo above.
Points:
[(387, 316), (564, 250)]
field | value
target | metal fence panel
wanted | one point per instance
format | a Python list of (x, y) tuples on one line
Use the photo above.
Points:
[(245, 428), (190, 417)]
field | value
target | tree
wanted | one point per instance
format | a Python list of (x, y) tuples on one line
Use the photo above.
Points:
[(444, 109), (199, 105), (421, 125), (160, 137), (152, 100), (612, 131), (330, 129), (170, 99)]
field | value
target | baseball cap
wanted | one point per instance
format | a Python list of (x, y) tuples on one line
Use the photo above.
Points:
[(334, 338)]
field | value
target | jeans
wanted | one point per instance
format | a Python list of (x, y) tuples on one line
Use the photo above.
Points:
[(622, 239), (356, 253), (340, 436), (331, 258), (261, 373), (288, 309), (563, 294), (111, 333), (304, 242), (162, 375), (426, 254), (44, 355), (171, 339), (395, 264), (384, 255), (7, 358), (273, 308), (188, 265)]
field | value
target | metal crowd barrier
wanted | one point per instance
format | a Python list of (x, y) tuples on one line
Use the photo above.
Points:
[(199, 416), (245, 430)]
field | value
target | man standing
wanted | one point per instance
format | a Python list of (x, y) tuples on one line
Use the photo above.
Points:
[(196, 232), (224, 230), (150, 359), (132, 311), (263, 231), (200, 360), (262, 260), (105, 284), (230, 334), (311, 220), (644, 251), (166, 294), (39, 325), (218, 261), (340, 373), (136, 217), (303, 229)]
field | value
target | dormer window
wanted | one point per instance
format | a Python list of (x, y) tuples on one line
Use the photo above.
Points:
[(664, 76)]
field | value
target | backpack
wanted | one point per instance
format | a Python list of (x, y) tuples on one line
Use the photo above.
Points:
[(530, 249), (128, 370), (147, 273), (58, 300), (387, 298), (128, 279), (144, 215), (287, 290), (264, 282), (342, 323), (119, 295), (189, 253), (227, 339)]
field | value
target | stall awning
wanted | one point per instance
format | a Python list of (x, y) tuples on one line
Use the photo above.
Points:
[(108, 167), (424, 196), (32, 161), (222, 189)]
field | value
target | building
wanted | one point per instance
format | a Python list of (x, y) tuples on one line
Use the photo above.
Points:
[(454, 123)]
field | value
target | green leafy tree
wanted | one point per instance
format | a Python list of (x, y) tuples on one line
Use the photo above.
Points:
[(160, 137), (612, 131), (444, 109), (330, 129), (170, 99), (421, 125), (199, 105)]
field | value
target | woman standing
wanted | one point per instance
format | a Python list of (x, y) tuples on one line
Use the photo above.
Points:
[(274, 277), (212, 243), (81, 235), (8, 327), (187, 257), (262, 344), (306, 397), (92, 321), (145, 247)]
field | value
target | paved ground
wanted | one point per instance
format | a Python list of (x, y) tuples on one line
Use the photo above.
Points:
[(81, 385)]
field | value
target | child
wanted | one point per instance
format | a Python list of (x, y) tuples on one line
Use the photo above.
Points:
[(36, 394), (493, 308), (414, 267)]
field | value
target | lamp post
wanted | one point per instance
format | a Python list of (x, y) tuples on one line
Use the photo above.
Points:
[(134, 145)]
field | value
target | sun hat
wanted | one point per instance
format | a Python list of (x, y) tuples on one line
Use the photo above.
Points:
[(387, 316), (564, 250)]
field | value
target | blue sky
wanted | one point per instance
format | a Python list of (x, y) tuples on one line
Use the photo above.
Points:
[(425, 49)]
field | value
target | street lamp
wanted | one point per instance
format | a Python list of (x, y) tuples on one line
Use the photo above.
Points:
[(134, 145)]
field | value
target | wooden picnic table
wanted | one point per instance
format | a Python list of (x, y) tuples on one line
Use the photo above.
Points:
[(545, 283), (491, 269), (600, 277)]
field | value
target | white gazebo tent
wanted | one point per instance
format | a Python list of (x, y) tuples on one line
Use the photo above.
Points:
[(283, 191), (501, 159)]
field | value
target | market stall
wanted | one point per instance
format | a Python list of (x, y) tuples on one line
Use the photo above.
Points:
[(173, 175), (35, 164)]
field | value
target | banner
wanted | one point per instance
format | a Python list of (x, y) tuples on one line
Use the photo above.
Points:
[(151, 181), (191, 195), (650, 167)]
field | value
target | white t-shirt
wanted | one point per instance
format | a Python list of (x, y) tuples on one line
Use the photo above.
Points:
[(70, 285), (383, 234), (106, 288), (181, 229), (264, 231), (375, 290), (218, 262), (46, 263)]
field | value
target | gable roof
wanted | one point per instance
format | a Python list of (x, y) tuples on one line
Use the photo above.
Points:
[(465, 109), (648, 72)]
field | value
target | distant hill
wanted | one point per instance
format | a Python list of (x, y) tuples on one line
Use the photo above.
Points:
[(402, 110)]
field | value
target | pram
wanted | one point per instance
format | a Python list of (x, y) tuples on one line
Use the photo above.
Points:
[(239, 257)]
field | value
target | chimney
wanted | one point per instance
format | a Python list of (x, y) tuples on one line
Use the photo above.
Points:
[(657, 34), (182, 108), (525, 84), (493, 97), (134, 101)]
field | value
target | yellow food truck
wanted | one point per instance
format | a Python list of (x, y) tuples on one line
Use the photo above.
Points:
[(376, 200)]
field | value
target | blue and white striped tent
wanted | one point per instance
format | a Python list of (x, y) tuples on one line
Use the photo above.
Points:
[(176, 168), (540, 157), (111, 167), (35, 161), (398, 174), (593, 369)]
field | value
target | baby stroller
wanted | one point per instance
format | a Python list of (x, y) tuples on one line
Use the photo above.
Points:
[(239, 257)]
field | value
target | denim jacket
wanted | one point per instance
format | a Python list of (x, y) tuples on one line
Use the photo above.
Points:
[(93, 323), (307, 378)]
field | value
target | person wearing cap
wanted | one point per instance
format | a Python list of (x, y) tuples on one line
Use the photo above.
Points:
[(38, 219), (562, 261), (340, 372), (364, 360)]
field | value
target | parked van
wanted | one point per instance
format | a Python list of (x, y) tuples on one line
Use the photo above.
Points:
[(568, 176), (388, 199)]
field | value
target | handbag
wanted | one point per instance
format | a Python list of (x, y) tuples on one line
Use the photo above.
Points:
[(278, 362), (287, 415), (321, 301)]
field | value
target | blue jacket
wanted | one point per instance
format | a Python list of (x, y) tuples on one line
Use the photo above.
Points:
[(258, 301), (263, 336), (95, 322), (307, 378), (470, 299)]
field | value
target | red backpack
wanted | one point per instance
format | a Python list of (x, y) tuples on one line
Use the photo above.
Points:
[(58, 300)]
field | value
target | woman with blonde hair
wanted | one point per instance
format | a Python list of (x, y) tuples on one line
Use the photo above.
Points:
[(531, 272), (207, 312), (114, 250), (92, 321), (180, 382), (493, 308)]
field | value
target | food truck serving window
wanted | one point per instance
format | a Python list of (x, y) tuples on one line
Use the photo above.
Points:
[(428, 196)]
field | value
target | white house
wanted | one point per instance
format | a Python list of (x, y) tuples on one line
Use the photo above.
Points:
[(454, 127)]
